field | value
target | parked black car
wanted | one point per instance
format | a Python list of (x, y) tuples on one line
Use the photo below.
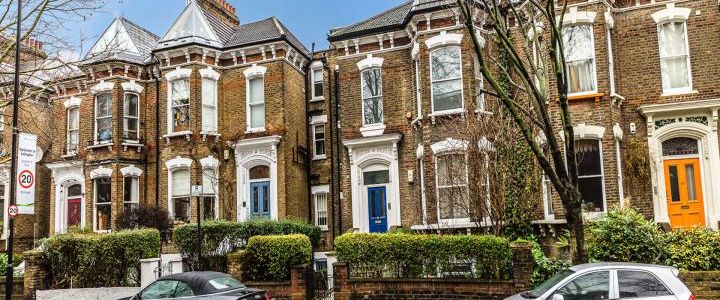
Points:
[(199, 285)]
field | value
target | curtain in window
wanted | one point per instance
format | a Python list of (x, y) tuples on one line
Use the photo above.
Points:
[(674, 56), (590, 178), (130, 119), (103, 207), (103, 117), (209, 105), (452, 186), (131, 193), (580, 58), (73, 139), (446, 78), (257, 102), (181, 194), (372, 96), (180, 105)]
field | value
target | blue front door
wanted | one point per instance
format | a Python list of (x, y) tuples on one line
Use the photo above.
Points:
[(260, 199), (377, 202)]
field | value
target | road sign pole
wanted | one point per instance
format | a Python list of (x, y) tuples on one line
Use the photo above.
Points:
[(199, 229), (13, 165)]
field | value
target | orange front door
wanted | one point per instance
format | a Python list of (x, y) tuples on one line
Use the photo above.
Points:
[(684, 193)]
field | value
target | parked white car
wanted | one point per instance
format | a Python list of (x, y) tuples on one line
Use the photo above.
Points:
[(602, 281)]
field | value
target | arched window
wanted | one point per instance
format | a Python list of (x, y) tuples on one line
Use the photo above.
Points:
[(680, 146)]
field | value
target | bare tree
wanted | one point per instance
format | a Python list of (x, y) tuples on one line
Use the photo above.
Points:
[(522, 31)]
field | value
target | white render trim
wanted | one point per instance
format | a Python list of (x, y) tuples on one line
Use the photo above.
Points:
[(177, 74), (320, 189), (132, 86), (370, 62), (449, 144), (251, 153), (709, 154), (66, 174), (131, 171), (102, 87), (318, 119), (255, 71), (209, 73), (366, 153), (575, 17), (583, 131), (178, 163), (671, 13), (72, 102), (443, 39), (209, 162), (101, 172)]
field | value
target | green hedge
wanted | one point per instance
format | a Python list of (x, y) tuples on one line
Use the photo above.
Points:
[(694, 250), (99, 260), (413, 256), (221, 237), (269, 258)]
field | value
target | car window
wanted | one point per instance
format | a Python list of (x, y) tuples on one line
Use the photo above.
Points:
[(592, 286), (225, 283), (183, 290), (162, 289), (637, 284)]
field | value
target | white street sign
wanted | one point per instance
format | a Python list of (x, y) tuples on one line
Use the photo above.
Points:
[(196, 190), (27, 155)]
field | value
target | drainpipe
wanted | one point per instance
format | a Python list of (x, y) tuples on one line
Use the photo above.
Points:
[(336, 125), (618, 135), (330, 95), (157, 129), (308, 133)]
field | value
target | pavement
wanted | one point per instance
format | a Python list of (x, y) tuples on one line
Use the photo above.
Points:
[(87, 294)]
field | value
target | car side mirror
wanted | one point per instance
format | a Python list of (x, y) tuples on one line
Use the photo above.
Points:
[(558, 297)]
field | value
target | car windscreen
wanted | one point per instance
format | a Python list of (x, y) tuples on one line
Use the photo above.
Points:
[(225, 283), (549, 284)]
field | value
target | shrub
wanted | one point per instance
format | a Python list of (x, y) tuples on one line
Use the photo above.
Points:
[(545, 267), (269, 258), (625, 235), (694, 250), (146, 217), (414, 255), (221, 237), (17, 260), (99, 260)]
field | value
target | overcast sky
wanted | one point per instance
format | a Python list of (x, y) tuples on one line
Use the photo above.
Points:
[(309, 20)]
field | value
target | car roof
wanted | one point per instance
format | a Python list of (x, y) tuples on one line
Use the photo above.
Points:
[(614, 265), (197, 280)]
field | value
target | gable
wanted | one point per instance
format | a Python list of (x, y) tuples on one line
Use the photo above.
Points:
[(115, 39), (191, 26)]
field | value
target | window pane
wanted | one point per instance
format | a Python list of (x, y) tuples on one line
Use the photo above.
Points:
[(75, 190), (209, 108), (690, 181), (445, 63), (451, 169), (266, 198), (675, 72), (318, 88), (257, 116), (130, 189), (578, 42), (209, 123), (371, 83), (102, 190), (257, 90), (260, 172), (319, 146), (672, 39), (321, 208), (376, 177), (160, 290), (317, 75), (103, 106), (183, 290), (674, 184), (209, 207), (181, 208), (581, 76), (181, 183), (592, 193), (104, 129), (74, 118), (453, 202), (181, 117), (180, 92), (593, 286), (680, 146), (588, 157), (634, 284), (447, 95), (131, 105), (209, 88), (373, 109), (131, 130)]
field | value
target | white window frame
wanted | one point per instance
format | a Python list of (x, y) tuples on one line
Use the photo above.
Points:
[(364, 97), (173, 197), (594, 60), (548, 208), (210, 76), (70, 150), (135, 191), (593, 215), (213, 191), (254, 72), (449, 147), (316, 192), (680, 90), (315, 66), (96, 204), (176, 164), (127, 118), (433, 82), (316, 121), (171, 77), (95, 115)]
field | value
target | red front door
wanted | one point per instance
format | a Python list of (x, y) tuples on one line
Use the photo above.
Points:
[(73, 213)]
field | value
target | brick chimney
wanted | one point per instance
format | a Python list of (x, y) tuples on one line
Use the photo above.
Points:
[(222, 10)]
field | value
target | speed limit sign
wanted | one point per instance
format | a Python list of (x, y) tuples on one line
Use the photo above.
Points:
[(13, 211)]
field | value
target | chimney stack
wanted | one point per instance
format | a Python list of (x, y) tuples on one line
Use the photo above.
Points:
[(221, 9)]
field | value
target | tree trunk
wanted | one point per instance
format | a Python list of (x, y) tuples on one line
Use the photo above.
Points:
[(574, 218)]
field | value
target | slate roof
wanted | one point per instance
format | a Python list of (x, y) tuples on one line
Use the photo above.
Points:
[(144, 40), (264, 30), (393, 17)]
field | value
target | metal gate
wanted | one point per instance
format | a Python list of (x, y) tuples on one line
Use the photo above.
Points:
[(320, 285)]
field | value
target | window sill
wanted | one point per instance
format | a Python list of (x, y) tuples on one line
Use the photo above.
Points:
[(72, 154), (319, 157), (206, 134), (100, 145), (324, 228), (678, 93), (372, 130), (255, 130), (318, 99), (132, 144), (186, 134), (586, 96), (442, 113)]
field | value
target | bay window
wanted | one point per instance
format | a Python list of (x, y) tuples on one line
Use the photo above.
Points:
[(103, 118), (131, 108), (131, 193), (674, 57), (256, 103), (591, 181), (372, 96), (209, 105), (452, 186), (446, 79), (103, 204), (579, 54), (180, 105), (180, 195), (73, 129)]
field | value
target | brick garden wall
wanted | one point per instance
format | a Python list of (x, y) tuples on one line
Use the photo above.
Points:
[(704, 285)]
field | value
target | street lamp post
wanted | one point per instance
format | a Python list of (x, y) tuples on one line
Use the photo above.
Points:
[(13, 164), (199, 229)]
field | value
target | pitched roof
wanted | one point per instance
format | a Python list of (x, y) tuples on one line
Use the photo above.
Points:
[(193, 25), (123, 40), (390, 18), (264, 30)]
